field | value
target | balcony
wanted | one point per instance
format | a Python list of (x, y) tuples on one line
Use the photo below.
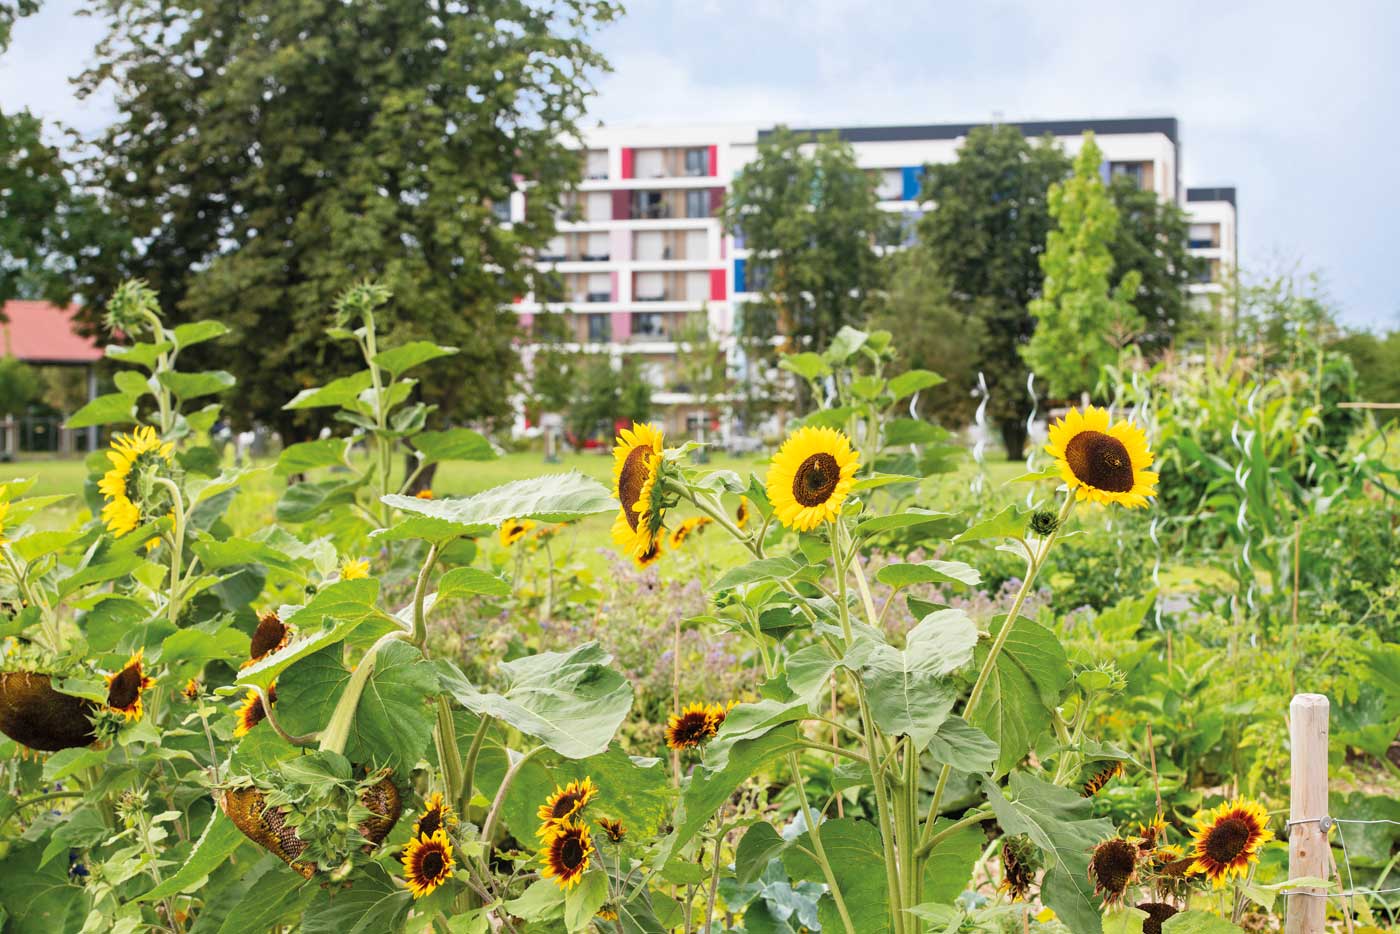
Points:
[(1202, 244), (599, 297), (595, 257), (658, 297)]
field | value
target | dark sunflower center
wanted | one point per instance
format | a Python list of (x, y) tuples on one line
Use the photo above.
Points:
[(125, 688), (692, 728), (1100, 461), (1227, 840), (433, 864), (816, 479), (571, 853), (267, 636), (1113, 865), (430, 823), (629, 482), (256, 712), (1157, 915), (565, 806)]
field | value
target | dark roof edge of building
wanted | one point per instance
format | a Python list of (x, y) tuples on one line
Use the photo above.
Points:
[(1167, 126), (1222, 193)]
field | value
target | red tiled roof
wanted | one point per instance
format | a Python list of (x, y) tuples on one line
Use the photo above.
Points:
[(38, 332)]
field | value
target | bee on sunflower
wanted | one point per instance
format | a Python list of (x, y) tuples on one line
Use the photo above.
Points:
[(566, 802), (566, 853), (1113, 867), (125, 687), (428, 862), (1228, 839), (436, 816), (126, 485), (1103, 462), (513, 530), (811, 476), (683, 531), (252, 712), (636, 469)]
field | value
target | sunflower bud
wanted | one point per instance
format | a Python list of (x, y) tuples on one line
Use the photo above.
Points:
[(132, 308), (1044, 522), (356, 304)]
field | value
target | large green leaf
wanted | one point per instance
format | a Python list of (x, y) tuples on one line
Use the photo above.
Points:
[(1197, 922), (402, 359), (759, 844), (216, 844), (950, 862), (570, 701), (760, 570), (112, 409), (340, 392), (560, 497), (963, 746), (1009, 523), (303, 502), (748, 722), (455, 444), (909, 690), (1062, 825), (308, 455), (929, 572), (197, 332), (912, 381), (1024, 686), (469, 582), (195, 385), (35, 899), (857, 859), (373, 904)]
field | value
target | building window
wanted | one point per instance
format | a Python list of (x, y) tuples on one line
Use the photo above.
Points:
[(756, 276), (697, 162), (599, 328), (1204, 236), (501, 209), (697, 203), (647, 324), (648, 205), (1139, 172)]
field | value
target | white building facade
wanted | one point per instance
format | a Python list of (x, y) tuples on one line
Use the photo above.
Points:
[(641, 258)]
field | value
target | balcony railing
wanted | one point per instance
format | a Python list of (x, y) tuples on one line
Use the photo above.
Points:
[(600, 296), (1203, 244), (595, 257), (659, 297)]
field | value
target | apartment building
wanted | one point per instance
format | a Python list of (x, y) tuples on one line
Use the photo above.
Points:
[(641, 259)]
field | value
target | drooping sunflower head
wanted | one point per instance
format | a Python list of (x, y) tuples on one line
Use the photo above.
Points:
[(1228, 839), (1103, 462), (513, 530), (271, 635), (354, 569), (683, 531), (428, 862), (125, 687), (743, 513), (1101, 775), (566, 853), (126, 486), (811, 476), (694, 726), (437, 815), (1019, 862), (251, 712), (1158, 913), (614, 830), (636, 467), (1152, 834), (566, 803), (1112, 868)]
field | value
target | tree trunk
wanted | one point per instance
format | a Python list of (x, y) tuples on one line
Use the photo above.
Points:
[(1013, 438)]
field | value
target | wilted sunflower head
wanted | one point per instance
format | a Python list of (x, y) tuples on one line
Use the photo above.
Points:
[(1228, 839), (437, 815), (614, 830), (271, 635), (566, 853), (566, 802), (354, 569), (684, 530), (428, 862), (1019, 862), (513, 530), (1112, 868), (1158, 913), (251, 712), (693, 726), (1103, 462), (124, 688), (127, 485), (811, 476), (743, 513), (1102, 774), (636, 467)]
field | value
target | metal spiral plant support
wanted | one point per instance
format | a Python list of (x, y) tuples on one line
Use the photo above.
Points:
[(1030, 425), (979, 450)]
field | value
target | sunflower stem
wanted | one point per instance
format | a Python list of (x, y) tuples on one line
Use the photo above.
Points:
[(305, 739), (337, 731), (420, 595), (177, 547), (818, 851), (469, 769), (494, 814)]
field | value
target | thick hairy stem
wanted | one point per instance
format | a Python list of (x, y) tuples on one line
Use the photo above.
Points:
[(177, 548), (469, 769), (337, 731), (819, 852), (420, 596), (304, 739), (489, 827)]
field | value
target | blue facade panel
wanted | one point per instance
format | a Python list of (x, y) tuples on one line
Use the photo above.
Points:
[(913, 181), (739, 284)]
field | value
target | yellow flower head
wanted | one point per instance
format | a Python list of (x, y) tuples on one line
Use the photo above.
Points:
[(743, 513), (566, 853), (811, 476), (652, 554), (636, 465), (614, 830), (436, 816), (566, 802), (1103, 462), (428, 862), (683, 531), (695, 725), (251, 713), (125, 687), (120, 484), (513, 530), (1228, 839), (354, 569)]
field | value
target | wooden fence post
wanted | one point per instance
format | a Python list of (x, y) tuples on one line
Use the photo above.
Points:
[(1308, 850)]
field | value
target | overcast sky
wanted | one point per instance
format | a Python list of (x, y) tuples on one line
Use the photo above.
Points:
[(1296, 104)]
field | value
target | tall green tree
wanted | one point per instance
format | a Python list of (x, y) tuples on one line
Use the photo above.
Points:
[(1153, 241), (1081, 322), (268, 153), (986, 232), (810, 220)]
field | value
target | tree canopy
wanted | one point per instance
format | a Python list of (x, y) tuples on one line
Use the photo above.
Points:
[(269, 153)]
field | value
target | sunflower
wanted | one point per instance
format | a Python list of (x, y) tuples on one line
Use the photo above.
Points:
[(1158, 914), (636, 465), (606, 914), (124, 688), (120, 486), (566, 853), (423, 494), (1104, 463), (614, 830), (693, 726), (1112, 868), (1101, 777), (743, 513), (272, 635), (1228, 839), (1018, 867), (428, 862), (681, 532), (565, 803), (191, 690), (651, 554), (1152, 833), (436, 816), (513, 530), (811, 476), (252, 713), (354, 569)]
